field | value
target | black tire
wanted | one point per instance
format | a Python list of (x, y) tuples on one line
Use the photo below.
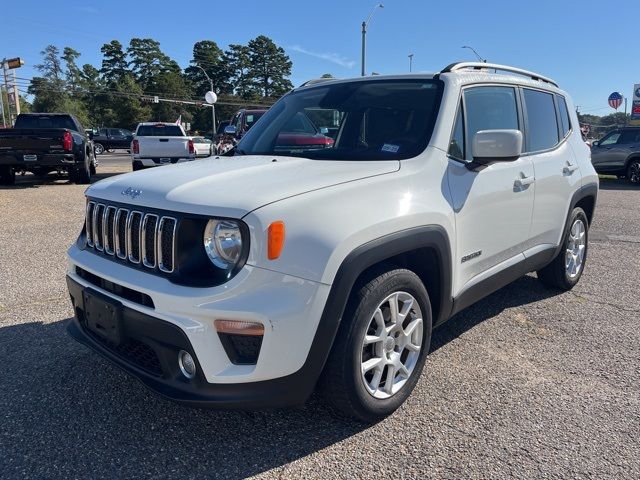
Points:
[(137, 166), (82, 173), (7, 176), (341, 382), (98, 148), (633, 171), (555, 275)]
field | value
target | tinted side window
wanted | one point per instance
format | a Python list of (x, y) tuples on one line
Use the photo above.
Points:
[(456, 146), (564, 116), (630, 136), (489, 108), (542, 124)]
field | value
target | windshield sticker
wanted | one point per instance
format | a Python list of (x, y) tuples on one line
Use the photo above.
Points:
[(387, 147)]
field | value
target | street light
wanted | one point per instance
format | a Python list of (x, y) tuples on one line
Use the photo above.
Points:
[(364, 32), (476, 53), (410, 62), (213, 107)]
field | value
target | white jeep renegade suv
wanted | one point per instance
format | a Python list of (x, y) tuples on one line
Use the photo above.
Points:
[(247, 280)]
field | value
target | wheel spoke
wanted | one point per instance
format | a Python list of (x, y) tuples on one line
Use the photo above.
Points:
[(371, 363), (375, 381), (369, 339), (412, 327), (388, 381), (393, 309)]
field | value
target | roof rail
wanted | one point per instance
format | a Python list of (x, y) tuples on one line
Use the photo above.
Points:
[(314, 81), (494, 66)]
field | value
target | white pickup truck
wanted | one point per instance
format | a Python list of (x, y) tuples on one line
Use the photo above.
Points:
[(158, 143)]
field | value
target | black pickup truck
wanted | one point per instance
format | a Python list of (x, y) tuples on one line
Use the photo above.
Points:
[(45, 142)]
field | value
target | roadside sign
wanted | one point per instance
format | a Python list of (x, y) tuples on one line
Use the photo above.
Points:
[(615, 100), (14, 63), (635, 105)]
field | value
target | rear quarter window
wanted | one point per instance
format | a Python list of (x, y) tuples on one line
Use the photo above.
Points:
[(542, 123)]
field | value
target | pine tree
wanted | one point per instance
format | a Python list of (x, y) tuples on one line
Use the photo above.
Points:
[(270, 66)]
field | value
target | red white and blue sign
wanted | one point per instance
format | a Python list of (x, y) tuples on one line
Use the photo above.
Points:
[(615, 100)]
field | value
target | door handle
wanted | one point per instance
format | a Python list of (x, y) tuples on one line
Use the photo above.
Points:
[(569, 168), (523, 182)]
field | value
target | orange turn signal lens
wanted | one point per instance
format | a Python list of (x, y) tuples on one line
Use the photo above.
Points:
[(239, 327), (275, 240)]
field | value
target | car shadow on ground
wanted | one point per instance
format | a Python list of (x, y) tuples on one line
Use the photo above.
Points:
[(38, 181), (68, 413)]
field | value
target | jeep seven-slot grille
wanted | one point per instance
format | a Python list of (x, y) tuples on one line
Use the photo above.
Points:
[(132, 235)]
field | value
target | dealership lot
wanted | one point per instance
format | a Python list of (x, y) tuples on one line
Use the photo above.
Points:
[(526, 383)]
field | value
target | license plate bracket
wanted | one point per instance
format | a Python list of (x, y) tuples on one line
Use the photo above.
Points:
[(30, 158), (165, 160), (103, 315)]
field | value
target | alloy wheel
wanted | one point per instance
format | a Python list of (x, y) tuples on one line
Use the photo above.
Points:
[(391, 345), (576, 248)]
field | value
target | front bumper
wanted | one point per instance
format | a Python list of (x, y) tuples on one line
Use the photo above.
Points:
[(157, 343), (181, 318)]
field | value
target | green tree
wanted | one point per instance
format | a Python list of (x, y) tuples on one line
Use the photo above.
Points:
[(49, 89), (174, 86), (238, 65), (147, 61), (207, 55), (270, 67), (126, 108), (114, 62)]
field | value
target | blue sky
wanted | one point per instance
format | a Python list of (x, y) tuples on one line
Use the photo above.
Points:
[(590, 51)]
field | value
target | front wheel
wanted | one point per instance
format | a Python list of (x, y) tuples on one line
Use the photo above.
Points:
[(566, 268), (633, 171), (98, 148), (380, 348)]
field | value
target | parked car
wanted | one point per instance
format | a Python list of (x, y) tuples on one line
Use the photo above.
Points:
[(618, 153), (249, 283), (45, 142), (112, 139), (158, 143), (203, 146)]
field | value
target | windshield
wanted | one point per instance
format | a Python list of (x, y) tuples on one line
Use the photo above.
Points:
[(364, 120), (159, 130)]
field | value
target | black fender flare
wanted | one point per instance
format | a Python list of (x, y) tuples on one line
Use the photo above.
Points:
[(589, 190), (359, 260)]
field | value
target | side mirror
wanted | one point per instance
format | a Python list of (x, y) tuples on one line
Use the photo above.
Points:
[(324, 130), (596, 143), (496, 146), (230, 130)]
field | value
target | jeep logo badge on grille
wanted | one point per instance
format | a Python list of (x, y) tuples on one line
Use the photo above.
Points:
[(131, 192)]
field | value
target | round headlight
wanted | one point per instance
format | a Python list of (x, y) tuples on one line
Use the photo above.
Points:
[(223, 243)]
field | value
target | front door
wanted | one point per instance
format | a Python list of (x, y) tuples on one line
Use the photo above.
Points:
[(493, 206)]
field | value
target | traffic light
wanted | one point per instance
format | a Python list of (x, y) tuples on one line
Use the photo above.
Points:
[(14, 63)]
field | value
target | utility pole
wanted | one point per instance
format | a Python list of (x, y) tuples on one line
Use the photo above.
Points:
[(410, 62), (13, 96), (364, 36), (4, 121), (213, 107)]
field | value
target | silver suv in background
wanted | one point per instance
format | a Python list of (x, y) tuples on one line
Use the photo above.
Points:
[(618, 153)]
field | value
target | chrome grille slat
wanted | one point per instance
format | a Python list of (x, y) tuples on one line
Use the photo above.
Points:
[(120, 233), (134, 222), (150, 222), (132, 236), (88, 221), (166, 253), (108, 229), (98, 239)]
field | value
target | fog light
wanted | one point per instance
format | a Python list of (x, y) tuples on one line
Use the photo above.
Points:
[(187, 364)]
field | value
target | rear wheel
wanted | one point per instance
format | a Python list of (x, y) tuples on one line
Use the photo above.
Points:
[(380, 348), (633, 171), (7, 176), (565, 270), (137, 166), (98, 148)]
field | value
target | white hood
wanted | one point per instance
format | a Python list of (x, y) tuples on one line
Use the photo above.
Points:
[(232, 186)]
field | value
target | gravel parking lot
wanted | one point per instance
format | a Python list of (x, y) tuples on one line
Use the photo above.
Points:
[(527, 383)]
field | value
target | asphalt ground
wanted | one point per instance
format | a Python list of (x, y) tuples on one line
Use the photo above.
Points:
[(528, 383)]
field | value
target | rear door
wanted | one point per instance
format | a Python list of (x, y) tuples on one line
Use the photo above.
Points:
[(608, 155), (548, 127), (493, 206)]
